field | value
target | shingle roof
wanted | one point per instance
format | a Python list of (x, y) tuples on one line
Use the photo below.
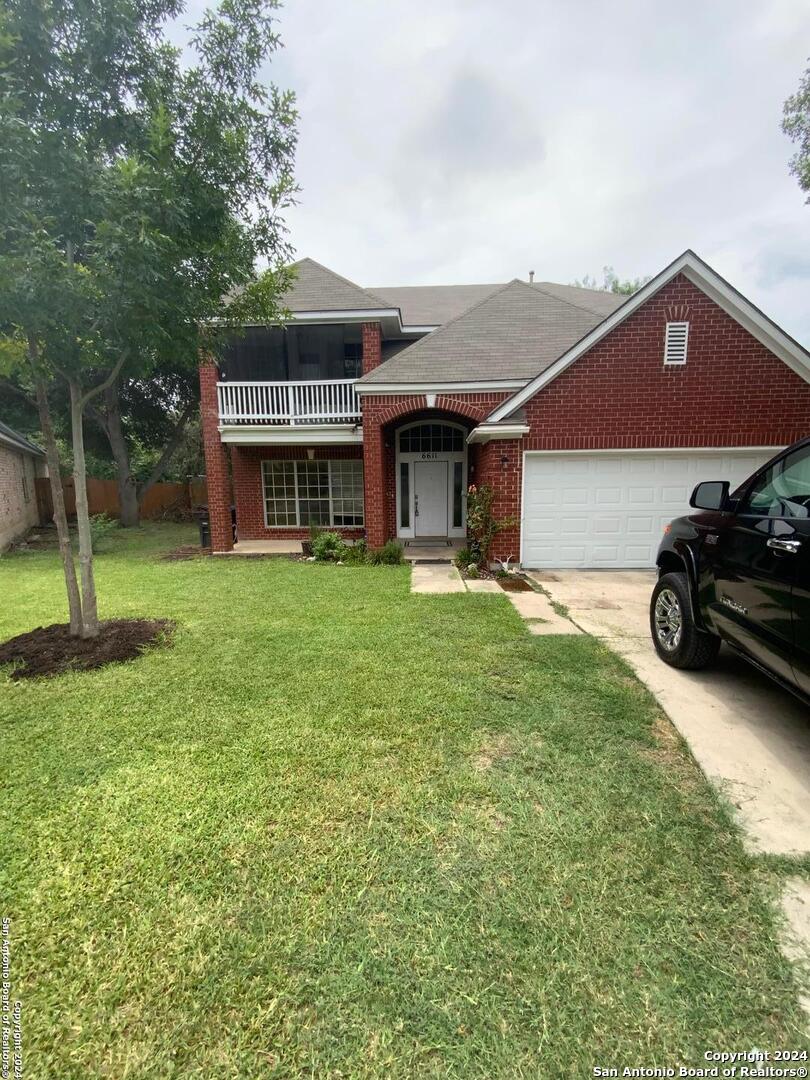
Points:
[(433, 305), (19, 442), (316, 288), (514, 333)]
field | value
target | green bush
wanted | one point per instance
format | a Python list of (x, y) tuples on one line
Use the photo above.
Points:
[(463, 558), (356, 553), (472, 570), (101, 528), (390, 554), (329, 547)]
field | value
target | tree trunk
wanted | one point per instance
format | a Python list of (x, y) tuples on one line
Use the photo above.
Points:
[(169, 450), (127, 489), (89, 604), (58, 497)]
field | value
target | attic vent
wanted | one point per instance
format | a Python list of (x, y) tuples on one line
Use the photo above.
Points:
[(675, 342)]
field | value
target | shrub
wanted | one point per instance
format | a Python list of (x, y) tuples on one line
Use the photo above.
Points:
[(463, 558), (472, 570), (390, 554), (329, 547), (481, 522), (356, 553), (101, 528)]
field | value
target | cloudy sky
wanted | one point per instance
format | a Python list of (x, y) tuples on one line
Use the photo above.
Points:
[(446, 141)]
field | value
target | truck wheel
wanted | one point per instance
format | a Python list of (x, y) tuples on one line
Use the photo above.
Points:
[(676, 638)]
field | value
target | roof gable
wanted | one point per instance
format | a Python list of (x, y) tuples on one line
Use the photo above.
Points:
[(317, 288), (512, 333), (708, 281)]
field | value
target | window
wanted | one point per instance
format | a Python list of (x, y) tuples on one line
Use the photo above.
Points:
[(404, 495), (783, 490), (313, 493), (675, 342), (430, 437), (457, 494)]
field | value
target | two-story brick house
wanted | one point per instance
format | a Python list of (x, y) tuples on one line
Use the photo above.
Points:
[(591, 415)]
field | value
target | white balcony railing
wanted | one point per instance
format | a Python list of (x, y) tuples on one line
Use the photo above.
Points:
[(331, 401)]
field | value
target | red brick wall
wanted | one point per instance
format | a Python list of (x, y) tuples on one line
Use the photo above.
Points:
[(372, 346), (731, 392), (216, 461), (500, 464), (246, 463)]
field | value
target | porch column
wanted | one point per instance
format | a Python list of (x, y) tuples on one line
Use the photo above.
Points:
[(372, 346), (374, 482), (216, 461)]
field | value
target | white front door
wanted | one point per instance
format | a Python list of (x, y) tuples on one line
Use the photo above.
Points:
[(430, 498)]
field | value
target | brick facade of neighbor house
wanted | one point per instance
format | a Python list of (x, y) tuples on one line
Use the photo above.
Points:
[(216, 461), (382, 415), (18, 499), (246, 464)]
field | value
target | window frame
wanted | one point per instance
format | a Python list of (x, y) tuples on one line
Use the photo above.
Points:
[(743, 495), (347, 465)]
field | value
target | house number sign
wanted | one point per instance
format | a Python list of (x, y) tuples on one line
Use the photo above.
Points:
[(429, 457)]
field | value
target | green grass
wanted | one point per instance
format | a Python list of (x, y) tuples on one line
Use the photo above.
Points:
[(339, 830)]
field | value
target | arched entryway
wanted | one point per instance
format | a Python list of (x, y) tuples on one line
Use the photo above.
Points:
[(431, 480)]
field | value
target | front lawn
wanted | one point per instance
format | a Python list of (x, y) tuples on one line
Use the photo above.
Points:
[(340, 830)]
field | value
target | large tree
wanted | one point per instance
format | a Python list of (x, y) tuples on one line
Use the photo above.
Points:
[(140, 189), (796, 125)]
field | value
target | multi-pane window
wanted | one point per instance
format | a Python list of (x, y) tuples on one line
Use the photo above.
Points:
[(279, 493), (429, 437), (313, 492)]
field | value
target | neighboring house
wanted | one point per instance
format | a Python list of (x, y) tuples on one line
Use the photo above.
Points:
[(591, 415), (20, 464)]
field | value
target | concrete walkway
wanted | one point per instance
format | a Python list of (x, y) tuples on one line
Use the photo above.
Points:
[(436, 578), (533, 607)]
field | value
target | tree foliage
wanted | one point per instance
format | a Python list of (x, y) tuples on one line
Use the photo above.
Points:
[(611, 282), (141, 186), (796, 125)]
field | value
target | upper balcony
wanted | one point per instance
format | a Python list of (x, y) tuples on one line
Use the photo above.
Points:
[(310, 402)]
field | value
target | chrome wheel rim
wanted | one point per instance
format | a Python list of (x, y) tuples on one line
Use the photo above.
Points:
[(668, 620)]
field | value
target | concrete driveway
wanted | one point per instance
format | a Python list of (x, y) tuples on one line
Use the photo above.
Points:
[(750, 737)]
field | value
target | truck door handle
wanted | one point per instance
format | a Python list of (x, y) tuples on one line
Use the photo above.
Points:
[(790, 547)]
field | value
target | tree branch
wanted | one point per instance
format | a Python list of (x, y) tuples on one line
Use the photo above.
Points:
[(99, 418), (102, 386), (169, 449), (7, 385)]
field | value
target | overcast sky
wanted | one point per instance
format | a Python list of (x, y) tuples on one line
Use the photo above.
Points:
[(459, 141)]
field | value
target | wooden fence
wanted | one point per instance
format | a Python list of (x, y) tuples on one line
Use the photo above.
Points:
[(102, 495)]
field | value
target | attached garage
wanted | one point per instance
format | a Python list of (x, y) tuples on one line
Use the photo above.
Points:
[(608, 509)]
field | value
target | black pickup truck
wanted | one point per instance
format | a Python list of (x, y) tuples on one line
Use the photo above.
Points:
[(738, 570)]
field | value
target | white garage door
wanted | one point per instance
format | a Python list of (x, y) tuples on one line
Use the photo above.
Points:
[(609, 509)]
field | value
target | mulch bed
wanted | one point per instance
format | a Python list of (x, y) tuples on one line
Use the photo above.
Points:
[(50, 650), (514, 584)]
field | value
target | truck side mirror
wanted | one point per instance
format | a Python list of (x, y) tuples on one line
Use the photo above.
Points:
[(710, 495)]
